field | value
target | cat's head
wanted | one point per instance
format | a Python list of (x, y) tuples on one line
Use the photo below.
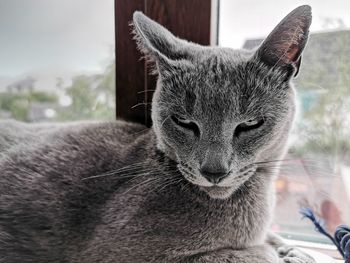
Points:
[(218, 111)]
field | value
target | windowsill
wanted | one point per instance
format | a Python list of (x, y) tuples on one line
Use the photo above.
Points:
[(322, 253)]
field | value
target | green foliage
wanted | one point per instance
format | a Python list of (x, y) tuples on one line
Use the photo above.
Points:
[(18, 103), (42, 96), (93, 97), (83, 99), (7, 99), (325, 80), (19, 110)]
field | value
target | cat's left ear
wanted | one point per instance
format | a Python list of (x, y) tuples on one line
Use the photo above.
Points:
[(160, 45), (284, 45)]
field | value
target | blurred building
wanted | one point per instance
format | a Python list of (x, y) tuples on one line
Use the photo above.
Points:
[(22, 85)]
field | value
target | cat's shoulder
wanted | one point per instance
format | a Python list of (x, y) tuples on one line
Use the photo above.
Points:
[(17, 128), (15, 135)]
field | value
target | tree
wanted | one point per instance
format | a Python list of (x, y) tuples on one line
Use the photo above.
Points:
[(93, 97), (18, 103), (324, 84)]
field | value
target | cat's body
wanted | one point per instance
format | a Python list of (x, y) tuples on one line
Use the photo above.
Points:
[(194, 188), (115, 215)]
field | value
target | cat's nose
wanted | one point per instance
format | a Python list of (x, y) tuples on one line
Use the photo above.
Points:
[(214, 176)]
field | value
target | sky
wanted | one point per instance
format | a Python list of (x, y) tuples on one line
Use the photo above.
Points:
[(60, 38), (41, 37), (242, 19)]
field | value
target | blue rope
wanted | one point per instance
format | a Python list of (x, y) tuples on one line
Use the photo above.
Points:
[(341, 237)]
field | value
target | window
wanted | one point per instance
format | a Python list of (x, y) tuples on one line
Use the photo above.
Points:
[(58, 64), (57, 60), (316, 172)]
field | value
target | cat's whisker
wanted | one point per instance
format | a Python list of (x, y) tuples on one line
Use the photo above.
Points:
[(141, 104), (165, 119), (144, 91), (137, 185), (186, 170), (152, 172), (149, 170), (167, 183), (134, 167), (113, 173), (136, 133), (133, 179), (274, 161), (143, 184), (316, 169)]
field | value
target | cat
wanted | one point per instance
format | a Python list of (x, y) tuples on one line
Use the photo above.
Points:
[(196, 187)]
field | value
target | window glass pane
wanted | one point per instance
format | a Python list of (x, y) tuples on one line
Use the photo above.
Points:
[(57, 60), (316, 173)]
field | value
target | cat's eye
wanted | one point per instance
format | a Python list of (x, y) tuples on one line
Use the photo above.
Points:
[(249, 125), (186, 124)]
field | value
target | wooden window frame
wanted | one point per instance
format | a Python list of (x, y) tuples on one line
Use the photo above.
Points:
[(194, 20)]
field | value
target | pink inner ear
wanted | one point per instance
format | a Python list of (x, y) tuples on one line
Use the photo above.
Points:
[(291, 54)]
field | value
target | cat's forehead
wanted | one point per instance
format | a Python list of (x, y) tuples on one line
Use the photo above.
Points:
[(228, 81), (225, 71), (224, 58)]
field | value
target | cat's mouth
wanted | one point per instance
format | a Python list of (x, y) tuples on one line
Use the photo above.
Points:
[(223, 189), (218, 192)]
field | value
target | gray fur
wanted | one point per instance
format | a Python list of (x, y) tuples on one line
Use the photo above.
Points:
[(118, 192)]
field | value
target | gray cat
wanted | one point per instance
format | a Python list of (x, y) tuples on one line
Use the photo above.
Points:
[(195, 187)]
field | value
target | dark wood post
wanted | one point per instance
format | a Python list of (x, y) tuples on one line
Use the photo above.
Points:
[(188, 19)]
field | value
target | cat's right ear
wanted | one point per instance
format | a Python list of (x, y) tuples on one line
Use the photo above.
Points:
[(158, 44), (284, 45)]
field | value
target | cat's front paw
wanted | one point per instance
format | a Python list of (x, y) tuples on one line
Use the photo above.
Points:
[(290, 254)]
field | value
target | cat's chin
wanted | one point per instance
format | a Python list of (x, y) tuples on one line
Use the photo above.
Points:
[(218, 192)]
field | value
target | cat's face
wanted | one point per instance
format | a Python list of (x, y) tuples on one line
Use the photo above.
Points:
[(221, 117), (219, 112)]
